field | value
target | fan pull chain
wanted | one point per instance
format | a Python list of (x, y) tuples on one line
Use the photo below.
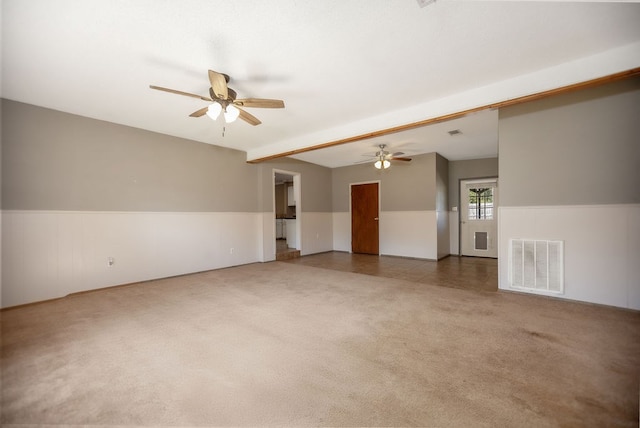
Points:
[(224, 128)]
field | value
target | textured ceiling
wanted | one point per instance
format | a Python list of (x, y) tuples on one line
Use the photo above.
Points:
[(343, 67)]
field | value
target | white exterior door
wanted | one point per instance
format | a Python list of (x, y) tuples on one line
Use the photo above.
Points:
[(479, 218)]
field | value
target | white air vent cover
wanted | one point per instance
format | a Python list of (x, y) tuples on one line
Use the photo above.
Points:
[(536, 265)]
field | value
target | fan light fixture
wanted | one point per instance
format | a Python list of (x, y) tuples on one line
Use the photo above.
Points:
[(383, 158), (231, 112), (214, 110), (382, 163)]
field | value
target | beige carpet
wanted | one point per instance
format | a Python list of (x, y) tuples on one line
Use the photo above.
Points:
[(283, 344)]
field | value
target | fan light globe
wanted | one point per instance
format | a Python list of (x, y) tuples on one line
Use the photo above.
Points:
[(231, 113), (214, 111), (382, 164)]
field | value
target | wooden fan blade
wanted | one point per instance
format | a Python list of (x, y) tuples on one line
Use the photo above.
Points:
[(200, 112), (249, 118), (219, 84), (173, 91), (397, 154), (401, 159), (259, 103)]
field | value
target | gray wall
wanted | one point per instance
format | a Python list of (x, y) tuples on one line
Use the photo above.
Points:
[(468, 169), (442, 196), (442, 183), (315, 184), (578, 148), (58, 161), (406, 186)]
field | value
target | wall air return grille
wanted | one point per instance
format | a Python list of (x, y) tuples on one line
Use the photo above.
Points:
[(536, 265)]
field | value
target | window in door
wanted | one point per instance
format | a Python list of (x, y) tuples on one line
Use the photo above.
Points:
[(480, 203)]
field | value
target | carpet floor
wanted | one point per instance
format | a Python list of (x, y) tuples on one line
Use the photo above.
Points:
[(293, 345)]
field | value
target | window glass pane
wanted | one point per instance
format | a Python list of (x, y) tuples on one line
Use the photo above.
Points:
[(481, 203)]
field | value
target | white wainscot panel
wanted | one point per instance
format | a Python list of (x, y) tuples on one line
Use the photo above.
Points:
[(268, 243), (0, 260), (317, 232), (342, 231), (444, 246), (409, 234), (51, 254), (633, 257), (599, 262), (30, 253), (454, 233)]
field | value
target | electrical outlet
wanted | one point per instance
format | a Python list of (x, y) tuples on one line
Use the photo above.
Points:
[(111, 261), (231, 250)]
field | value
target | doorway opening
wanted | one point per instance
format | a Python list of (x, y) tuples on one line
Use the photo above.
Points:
[(286, 209), (479, 217)]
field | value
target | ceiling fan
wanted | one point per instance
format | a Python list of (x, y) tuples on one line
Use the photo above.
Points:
[(223, 99), (382, 158)]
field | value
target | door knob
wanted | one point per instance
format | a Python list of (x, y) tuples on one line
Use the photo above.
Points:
[(376, 219)]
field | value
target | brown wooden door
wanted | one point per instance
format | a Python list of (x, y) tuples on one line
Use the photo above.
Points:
[(364, 218)]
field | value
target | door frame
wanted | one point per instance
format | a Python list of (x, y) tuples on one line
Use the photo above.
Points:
[(297, 191), (460, 219), (379, 182)]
